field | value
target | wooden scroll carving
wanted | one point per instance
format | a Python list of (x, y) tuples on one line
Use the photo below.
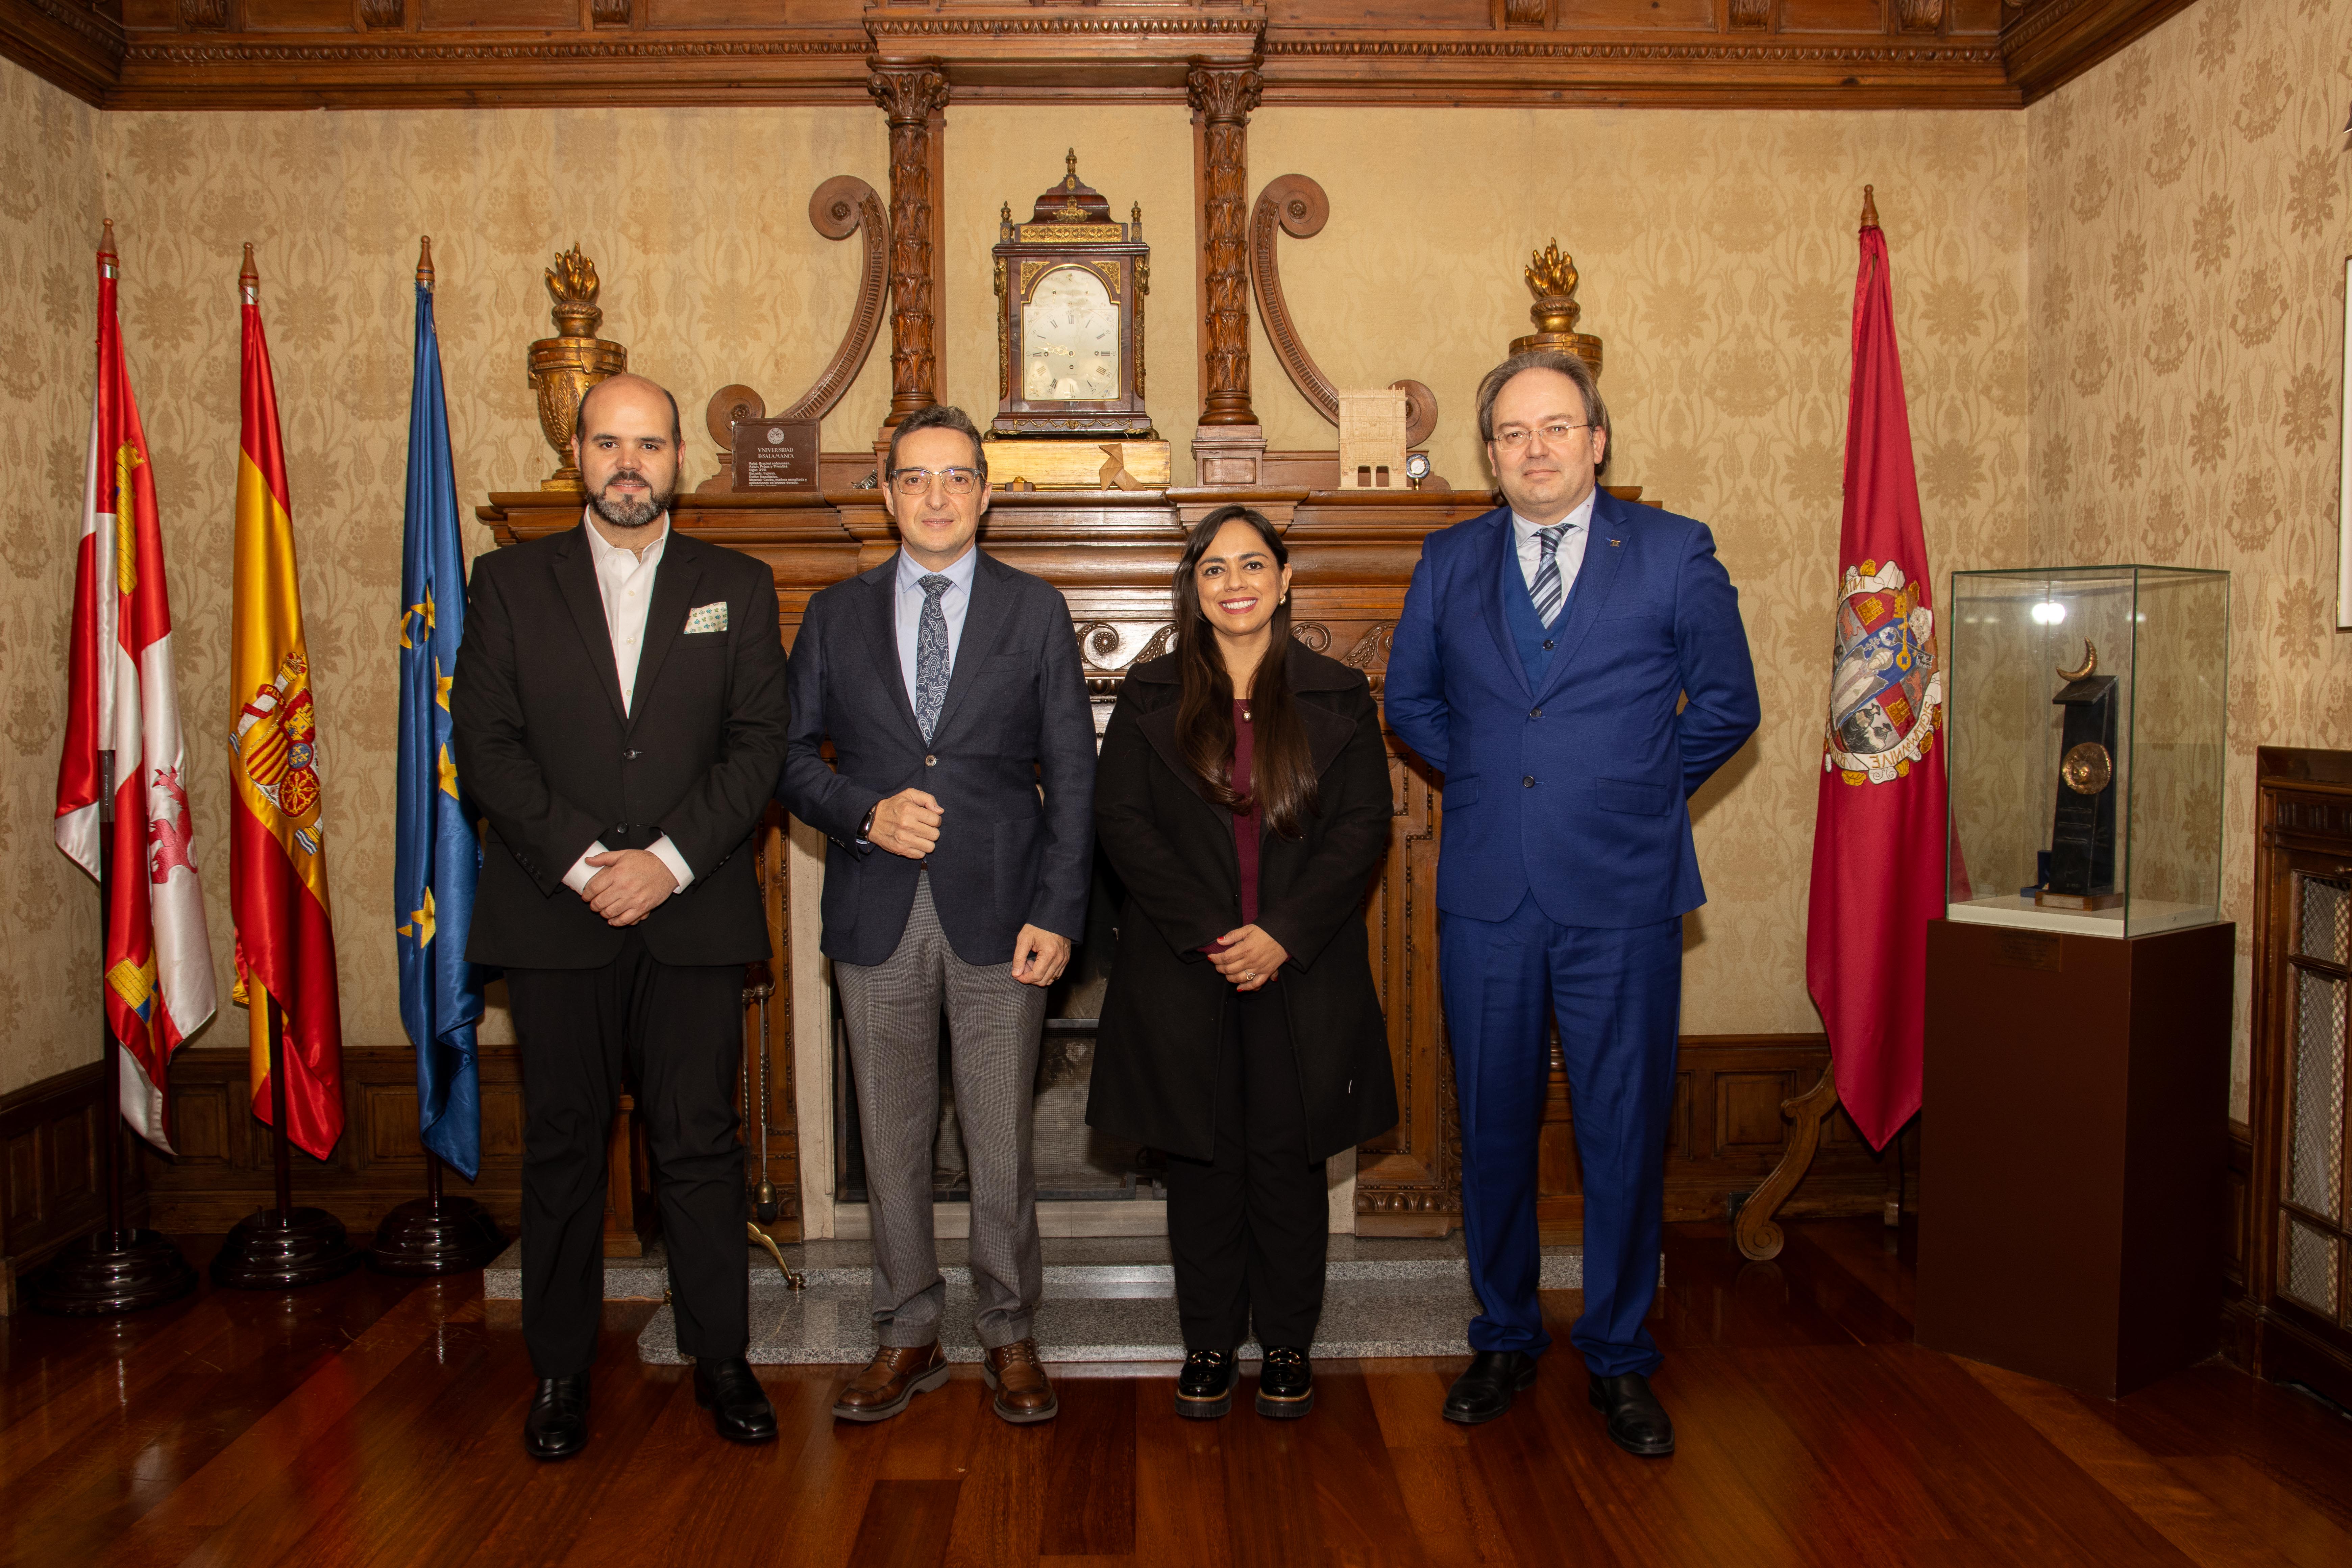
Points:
[(1753, 1228), (840, 207), (910, 96), (1297, 205)]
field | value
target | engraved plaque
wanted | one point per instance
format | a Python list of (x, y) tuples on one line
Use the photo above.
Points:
[(775, 454)]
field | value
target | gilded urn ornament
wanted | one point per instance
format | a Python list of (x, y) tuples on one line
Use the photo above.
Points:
[(563, 367), (1551, 279)]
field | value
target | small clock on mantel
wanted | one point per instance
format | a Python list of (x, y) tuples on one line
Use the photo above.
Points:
[(1070, 285)]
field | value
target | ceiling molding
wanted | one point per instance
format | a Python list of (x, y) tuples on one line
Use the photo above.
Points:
[(2052, 42)]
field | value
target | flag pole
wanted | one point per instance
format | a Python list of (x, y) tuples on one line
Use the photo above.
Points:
[(440, 1233), (120, 1269)]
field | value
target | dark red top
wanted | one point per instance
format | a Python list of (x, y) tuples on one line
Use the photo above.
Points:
[(1245, 823)]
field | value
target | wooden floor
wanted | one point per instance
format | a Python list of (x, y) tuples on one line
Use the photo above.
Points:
[(378, 1421)]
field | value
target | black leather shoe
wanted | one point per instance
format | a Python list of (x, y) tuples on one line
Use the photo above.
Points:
[(1637, 1422), (724, 1387), (1487, 1389), (556, 1426), (1204, 1389), (1286, 1384)]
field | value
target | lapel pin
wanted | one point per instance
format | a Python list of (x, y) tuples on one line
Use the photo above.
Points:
[(1616, 542)]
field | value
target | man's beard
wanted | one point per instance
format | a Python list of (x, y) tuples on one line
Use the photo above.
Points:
[(637, 513)]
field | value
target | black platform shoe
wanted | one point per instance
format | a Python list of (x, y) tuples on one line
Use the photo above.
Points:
[(724, 1387), (1487, 1389), (1286, 1384), (1204, 1389), (1637, 1422), (556, 1426)]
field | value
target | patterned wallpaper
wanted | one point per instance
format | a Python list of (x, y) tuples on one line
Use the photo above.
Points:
[(50, 170), (1717, 258), (2190, 218)]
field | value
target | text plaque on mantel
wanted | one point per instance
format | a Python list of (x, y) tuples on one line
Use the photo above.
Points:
[(775, 454)]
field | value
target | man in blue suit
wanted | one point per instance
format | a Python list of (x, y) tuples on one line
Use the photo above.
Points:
[(1541, 665)]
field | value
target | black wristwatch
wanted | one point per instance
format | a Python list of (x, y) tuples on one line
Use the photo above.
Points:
[(865, 828)]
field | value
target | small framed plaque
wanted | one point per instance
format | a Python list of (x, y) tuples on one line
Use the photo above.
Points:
[(775, 454)]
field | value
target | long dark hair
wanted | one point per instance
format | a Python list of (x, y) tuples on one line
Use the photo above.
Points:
[(1282, 771)]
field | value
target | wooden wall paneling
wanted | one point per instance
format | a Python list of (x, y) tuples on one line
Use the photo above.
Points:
[(52, 1152)]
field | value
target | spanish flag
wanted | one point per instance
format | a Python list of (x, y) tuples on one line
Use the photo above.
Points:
[(278, 849)]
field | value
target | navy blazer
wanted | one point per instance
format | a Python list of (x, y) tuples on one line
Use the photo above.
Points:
[(1016, 721), (1578, 790)]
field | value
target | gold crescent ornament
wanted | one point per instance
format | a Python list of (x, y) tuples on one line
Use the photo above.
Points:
[(2090, 663)]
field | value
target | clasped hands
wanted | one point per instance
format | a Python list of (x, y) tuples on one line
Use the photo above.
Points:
[(630, 885), (907, 826), (1248, 957)]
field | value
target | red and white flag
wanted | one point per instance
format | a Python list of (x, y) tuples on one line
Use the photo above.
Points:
[(121, 697), (1879, 829)]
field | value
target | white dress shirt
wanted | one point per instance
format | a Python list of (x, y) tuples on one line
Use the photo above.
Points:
[(1571, 555), (624, 581), (907, 609)]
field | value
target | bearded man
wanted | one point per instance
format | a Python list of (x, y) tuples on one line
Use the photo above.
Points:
[(620, 712)]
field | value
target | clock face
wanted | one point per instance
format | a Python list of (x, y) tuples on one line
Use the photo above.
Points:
[(1069, 339)]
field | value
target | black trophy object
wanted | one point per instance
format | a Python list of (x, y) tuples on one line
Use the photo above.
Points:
[(285, 1247), (120, 1269), (438, 1233), (2083, 828)]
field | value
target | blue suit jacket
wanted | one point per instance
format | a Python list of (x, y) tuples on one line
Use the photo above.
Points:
[(1578, 790)]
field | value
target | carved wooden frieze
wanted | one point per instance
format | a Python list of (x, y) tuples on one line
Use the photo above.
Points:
[(1224, 97), (910, 96)]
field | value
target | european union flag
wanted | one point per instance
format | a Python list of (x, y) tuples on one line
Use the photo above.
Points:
[(438, 858)]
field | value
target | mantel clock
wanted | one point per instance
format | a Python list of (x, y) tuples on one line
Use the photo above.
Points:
[(1070, 285)]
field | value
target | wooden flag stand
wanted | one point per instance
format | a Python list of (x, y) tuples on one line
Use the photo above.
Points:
[(437, 1234), (117, 1269), (284, 1248)]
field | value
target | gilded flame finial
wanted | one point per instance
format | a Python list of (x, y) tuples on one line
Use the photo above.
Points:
[(1551, 271), (563, 367), (1551, 279), (571, 284)]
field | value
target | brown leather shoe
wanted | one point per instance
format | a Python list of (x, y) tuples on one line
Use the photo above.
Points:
[(1022, 1394), (895, 1375)]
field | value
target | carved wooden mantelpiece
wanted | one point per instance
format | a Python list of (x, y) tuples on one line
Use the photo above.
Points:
[(292, 54)]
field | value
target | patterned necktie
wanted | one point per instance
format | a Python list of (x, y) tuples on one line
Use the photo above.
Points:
[(1545, 590), (931, 661)]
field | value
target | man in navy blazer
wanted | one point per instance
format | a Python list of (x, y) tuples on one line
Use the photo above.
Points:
[(1542, 665)]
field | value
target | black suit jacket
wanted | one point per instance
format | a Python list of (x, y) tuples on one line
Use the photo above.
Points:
[(546, 752), (1015, 718)]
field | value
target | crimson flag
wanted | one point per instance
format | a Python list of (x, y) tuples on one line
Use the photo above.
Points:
[(1879, 828)]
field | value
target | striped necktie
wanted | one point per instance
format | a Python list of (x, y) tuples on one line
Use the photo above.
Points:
[(1545, 589)]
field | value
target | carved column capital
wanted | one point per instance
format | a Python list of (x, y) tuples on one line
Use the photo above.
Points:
[(1225, 95), (909, 94)]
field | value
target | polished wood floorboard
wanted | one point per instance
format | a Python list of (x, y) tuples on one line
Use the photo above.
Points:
[(374, 1421)]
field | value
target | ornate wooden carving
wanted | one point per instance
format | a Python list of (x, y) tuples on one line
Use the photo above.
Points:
[(841, 206), (1224, 97), (1759, 1237), (1920, 15), (382, 13), (563, 367), (2046, 44), (1751, 13), (1298, 206), (909, 95), (1526, 13), (609, 13), (210, 15)]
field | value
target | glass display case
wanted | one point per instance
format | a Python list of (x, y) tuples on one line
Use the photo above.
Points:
[(2086, 739)]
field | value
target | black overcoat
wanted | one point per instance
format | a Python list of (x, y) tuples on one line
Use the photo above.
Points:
[(1155, 1063)]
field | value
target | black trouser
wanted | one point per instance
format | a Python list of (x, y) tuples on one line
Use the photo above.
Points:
[(679, 1031), (1247, 1227)]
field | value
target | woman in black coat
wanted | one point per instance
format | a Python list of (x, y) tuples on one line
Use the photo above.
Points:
[(1243, 797)]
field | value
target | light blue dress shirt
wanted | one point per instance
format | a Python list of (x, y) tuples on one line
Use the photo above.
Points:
[(908, 608), (1570, 556)]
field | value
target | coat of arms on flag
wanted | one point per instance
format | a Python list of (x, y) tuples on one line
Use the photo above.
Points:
[(1886, 692)]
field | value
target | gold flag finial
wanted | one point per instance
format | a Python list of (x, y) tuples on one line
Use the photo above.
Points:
[(248, 282), (425, 261), (1869, 207), (106, 239)]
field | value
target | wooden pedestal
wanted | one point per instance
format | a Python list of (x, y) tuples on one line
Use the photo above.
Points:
[(2080, 1089)]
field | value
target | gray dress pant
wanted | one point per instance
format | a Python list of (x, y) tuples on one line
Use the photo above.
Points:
[(994, 1024)]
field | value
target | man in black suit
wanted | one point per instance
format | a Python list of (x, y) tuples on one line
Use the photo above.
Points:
[(949, 684), (619, 704)]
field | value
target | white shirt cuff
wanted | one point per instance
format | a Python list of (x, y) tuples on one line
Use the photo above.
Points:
[(666, 853), (581, 873)]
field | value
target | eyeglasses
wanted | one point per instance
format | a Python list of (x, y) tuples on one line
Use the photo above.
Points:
[(1511, 438), (915, 481)]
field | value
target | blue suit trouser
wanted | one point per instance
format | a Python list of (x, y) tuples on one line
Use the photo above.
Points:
[(1617, 995)]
